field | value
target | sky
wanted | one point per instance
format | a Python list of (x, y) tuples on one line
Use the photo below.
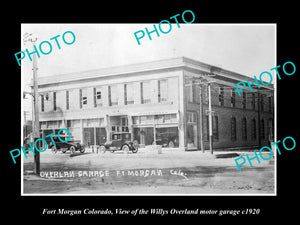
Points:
[(248, 49)]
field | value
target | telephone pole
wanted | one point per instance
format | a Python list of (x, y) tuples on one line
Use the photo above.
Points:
[(201, 119), (205, 81), (36, 123), (210, 119), (209, 113)]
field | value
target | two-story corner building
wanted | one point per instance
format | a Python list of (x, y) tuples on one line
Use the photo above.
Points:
[(156, 101)]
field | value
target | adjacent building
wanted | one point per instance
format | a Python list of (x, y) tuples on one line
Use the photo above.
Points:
[(163, 101)]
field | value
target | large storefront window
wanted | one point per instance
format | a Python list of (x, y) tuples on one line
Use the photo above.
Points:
[(93, 133), (100, 135), (167, 137), (146, 119), (73, 124), (164, 127), (191, 136), (93, 122), (55, 124), (191, 130), (157, 119), (170, 118), (46, 133), (88, 136), (144, 135)]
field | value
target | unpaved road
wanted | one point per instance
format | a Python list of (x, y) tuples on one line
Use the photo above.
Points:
[(172, 172)]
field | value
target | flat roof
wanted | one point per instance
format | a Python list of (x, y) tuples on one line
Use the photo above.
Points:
[(163, 64)]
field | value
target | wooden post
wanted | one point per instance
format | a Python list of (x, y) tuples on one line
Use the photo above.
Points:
[(210, 119), (201, 120), (36, 114)]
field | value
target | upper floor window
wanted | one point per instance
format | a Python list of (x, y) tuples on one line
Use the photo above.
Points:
[(253, 129), (112, 95), (162, 90), (196, 93), (253, 101), (97, 97), (145, 92), (83, 97), (128, 94), (189, 90), (244, 100), (221, 96), (233, 98), (42, 103), (244, 129), (84, 100)]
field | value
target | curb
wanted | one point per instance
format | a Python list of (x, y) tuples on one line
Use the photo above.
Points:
[(226, 155)]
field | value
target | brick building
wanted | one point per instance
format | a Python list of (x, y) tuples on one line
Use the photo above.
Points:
[(158, 99)]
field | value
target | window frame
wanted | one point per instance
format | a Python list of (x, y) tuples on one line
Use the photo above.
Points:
[(54, 101), (160, 93), (67, 100), (144, 91)]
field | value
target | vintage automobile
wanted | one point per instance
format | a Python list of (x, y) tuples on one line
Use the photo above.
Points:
[(65, 146), (167, 139), (120, 141)]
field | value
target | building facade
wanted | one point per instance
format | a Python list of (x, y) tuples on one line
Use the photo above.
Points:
[(163, 102)]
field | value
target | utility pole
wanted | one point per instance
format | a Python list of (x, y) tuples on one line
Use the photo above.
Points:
[(154, 132), (36, 115), (205, 81), (36, 123), (201, 119), (210, 119)]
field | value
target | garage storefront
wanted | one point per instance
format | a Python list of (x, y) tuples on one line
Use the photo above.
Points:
[(159, 129), (86, 131), (94, 132), (74, 126), (191, 130), (49, 127)]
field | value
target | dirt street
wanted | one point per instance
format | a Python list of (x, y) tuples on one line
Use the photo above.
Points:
[(172, 172)]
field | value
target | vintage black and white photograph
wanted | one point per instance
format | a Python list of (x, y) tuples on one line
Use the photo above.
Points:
[(148, 109)]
